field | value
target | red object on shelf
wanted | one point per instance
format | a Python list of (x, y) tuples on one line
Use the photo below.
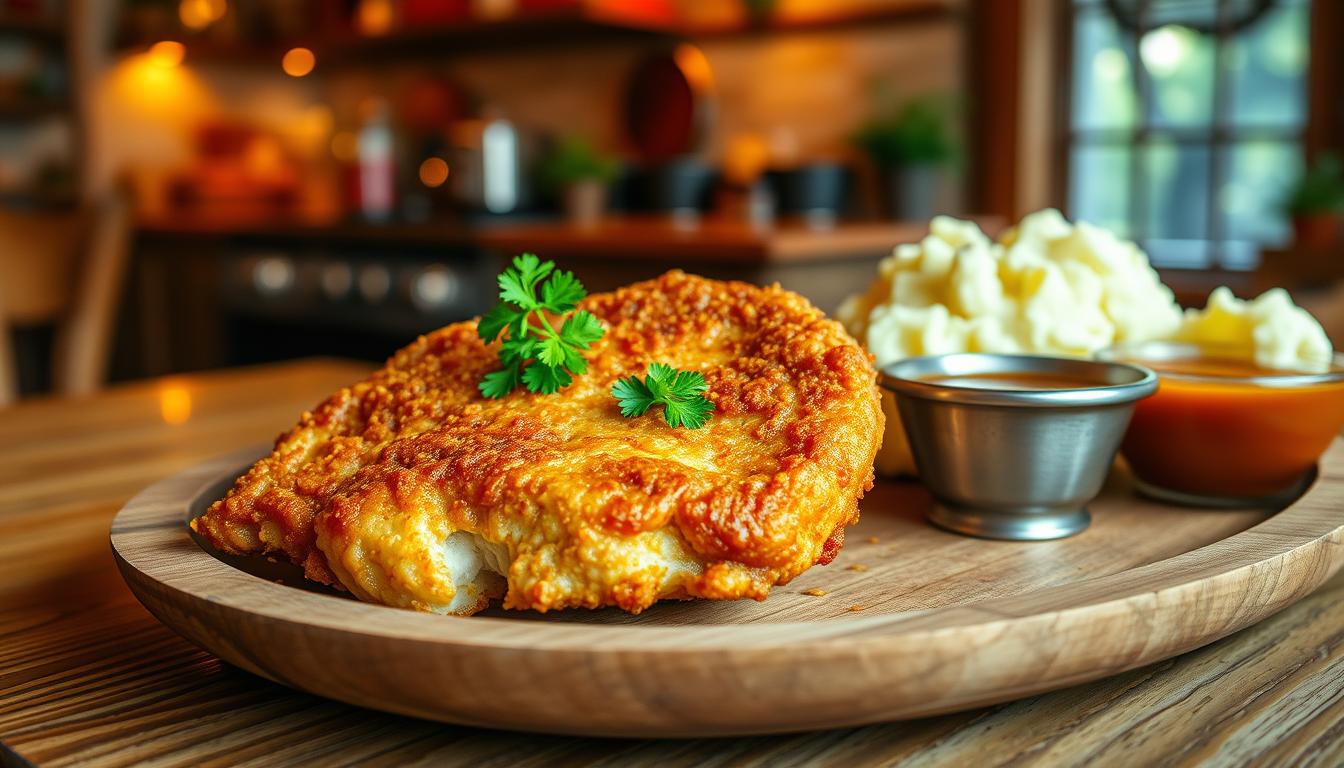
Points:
[(349, 176), (430, 103), (1318, 230), (223, 139), (665, 111), (635, 11), (415, 13), (535, 6)]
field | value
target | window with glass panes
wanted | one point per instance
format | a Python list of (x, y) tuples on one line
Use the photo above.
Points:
[(1185, 123)]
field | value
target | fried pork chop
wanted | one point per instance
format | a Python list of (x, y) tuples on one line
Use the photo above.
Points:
[(413, 490)]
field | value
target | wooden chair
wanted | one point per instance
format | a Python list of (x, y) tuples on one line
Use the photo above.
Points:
[(65, 269)]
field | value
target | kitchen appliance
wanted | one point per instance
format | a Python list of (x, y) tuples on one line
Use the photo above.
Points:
[(490, 160)]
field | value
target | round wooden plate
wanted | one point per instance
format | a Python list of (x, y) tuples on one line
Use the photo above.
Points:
[(909, 621)]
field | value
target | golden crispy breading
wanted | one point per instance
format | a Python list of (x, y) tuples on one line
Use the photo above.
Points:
[(411, 489)]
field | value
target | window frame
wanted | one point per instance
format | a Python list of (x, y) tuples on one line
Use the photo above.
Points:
[(1221, 136)]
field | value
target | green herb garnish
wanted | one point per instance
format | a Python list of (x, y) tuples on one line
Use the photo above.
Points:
[(681, 393), (537, 355)]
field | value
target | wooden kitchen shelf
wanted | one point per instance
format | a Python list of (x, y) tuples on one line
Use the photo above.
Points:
[(312, 230), (559, 27), (641, 236), (704, 239)]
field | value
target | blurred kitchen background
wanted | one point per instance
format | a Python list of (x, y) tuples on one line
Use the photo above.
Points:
[(192, 184)]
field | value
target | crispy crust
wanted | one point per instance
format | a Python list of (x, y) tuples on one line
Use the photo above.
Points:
[(579, 505)]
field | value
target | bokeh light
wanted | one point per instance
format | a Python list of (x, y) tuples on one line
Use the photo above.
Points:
[(694, 65), (433, 172), (199, 14), (298, 62), (174, 403), (167, 54), (1164, 49), (375, 17)]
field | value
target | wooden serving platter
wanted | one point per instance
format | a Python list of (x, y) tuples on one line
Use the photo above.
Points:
[(908, 621)]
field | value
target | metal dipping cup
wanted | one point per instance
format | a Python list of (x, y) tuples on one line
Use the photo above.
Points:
[(1012, 462)]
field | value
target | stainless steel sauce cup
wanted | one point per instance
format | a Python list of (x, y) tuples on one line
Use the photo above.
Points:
[(1006, 462)]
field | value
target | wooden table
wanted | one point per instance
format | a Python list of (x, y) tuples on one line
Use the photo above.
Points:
[(88, 677)]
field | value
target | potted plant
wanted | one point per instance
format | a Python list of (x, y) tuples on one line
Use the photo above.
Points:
[(1316, 203), (912, 147), (580, 175)]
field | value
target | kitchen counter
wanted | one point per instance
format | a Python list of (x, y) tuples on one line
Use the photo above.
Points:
[(825, 264), (692, 240), (705, 239), (306, 230), (89, 677), (205, 275)]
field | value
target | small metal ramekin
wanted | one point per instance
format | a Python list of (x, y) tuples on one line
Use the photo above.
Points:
[(1017, 464)]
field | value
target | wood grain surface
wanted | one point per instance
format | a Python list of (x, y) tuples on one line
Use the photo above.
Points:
[(934, 623), (87, 676)]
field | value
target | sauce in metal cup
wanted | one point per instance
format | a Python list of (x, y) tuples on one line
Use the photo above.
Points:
[(1014, 446)]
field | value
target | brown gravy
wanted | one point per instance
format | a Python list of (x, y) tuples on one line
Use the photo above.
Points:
[(1009, 380)]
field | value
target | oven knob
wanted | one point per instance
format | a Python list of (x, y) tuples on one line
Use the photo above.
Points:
[(273, 275), (374, 283), (434, 288), (336, 280)]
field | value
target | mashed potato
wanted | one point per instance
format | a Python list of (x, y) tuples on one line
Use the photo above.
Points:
[(1272, 331), (1047, 286), (1051, 287)]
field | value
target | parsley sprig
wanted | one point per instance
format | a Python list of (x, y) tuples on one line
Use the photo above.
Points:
[(681, 393), (537, 355)]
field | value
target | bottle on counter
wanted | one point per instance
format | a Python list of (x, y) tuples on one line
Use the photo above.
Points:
[(376, 160)]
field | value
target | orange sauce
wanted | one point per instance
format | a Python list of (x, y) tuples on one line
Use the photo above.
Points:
[(1226, 436), (1012, 380)]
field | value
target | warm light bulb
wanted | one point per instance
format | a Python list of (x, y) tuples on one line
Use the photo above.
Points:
[(375, 17), (167, 54), (199, 14), (433, 172), (694, 64), (298, 62), (174, 403)]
